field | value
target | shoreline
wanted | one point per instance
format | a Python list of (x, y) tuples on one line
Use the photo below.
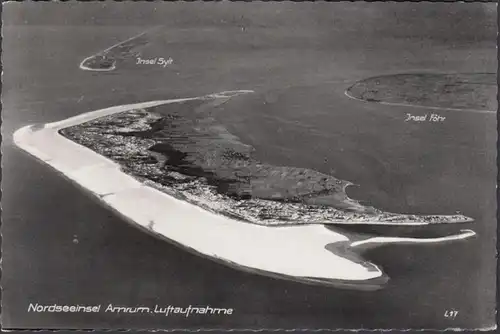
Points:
[(292, 252), (215, 170)]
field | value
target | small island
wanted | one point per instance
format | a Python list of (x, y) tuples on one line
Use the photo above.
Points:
[(446, 91), (107, 60)]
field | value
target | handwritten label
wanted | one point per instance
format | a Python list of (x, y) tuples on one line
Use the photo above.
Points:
[(160, 61), (450, 314), (435, 118)]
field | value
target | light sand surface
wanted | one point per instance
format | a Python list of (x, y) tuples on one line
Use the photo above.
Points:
[(291, 251)]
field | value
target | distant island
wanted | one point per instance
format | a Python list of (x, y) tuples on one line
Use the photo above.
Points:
[(448, 91), (107, 60)]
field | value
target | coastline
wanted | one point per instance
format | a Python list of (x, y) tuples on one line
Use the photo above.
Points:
[(183, 151), (288, 252)]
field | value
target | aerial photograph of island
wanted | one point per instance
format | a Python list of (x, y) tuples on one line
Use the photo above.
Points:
[(249, 165)]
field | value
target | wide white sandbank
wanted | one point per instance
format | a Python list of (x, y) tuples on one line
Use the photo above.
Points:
[(291, 252)]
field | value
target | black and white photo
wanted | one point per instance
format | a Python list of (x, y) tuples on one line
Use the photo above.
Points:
[(249, 165)]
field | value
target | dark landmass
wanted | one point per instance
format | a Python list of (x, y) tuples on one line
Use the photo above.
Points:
[(107, 60), (461, 91), (183, 150)]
